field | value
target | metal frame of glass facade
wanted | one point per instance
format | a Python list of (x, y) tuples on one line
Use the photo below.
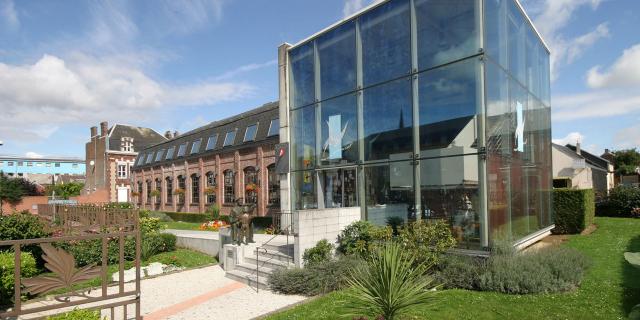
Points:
[(441, 107)]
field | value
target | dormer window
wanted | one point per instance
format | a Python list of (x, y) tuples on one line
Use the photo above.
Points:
[(126, 144)]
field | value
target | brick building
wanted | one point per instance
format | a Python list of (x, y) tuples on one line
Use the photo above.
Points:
[(217, 163), (110, 156)]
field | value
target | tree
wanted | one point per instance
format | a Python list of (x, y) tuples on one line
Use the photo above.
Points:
[(29, 188), (11, 191), (626, 161), (66, 190)]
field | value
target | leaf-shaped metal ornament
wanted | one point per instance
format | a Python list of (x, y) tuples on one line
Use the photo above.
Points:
[(63, 265)]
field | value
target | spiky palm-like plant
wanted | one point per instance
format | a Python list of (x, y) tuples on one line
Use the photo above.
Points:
[(388, 285)]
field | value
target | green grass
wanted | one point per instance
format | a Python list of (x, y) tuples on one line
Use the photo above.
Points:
[(609, 291), (179, 225)]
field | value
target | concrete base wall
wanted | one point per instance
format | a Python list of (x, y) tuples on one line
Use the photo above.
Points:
[(207, 246), (311, 226)]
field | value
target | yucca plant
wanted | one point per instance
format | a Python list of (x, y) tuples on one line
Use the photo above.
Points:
[(388, 284)]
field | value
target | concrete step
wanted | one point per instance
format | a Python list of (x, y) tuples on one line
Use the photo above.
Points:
[(267, 262), (271, 255), (282, 248), (247, 278), (251, 269)]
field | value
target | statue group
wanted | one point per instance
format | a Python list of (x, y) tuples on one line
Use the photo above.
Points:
[(241, 226)]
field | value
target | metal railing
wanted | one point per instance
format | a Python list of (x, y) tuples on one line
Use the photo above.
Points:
[(286, 230)]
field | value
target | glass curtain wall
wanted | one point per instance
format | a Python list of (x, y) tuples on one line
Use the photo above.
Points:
[(430, 125)]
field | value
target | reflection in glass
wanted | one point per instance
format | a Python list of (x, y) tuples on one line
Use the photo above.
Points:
[(516, 42), (339, 130), (388, 120), (449, 190), (302, 75), (304, 190), (389, 192), (250, 133), (339, 188), (337, 56), (448, 107), (447, 31), (386, 42), (230, 138), (495, 26), (303, 139)]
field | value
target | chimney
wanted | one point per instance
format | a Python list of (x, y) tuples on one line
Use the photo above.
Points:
[(168, 134), (176, 134), (94, 131), (104, 127), (607, 151), (578, 147)]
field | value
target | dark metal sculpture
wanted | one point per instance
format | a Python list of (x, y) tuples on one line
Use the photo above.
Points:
[(241, 222)]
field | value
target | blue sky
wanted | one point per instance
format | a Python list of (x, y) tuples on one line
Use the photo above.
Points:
[(173, 65)]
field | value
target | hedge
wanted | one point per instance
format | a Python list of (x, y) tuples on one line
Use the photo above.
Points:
[(7, 262), (188, 217), (574, 210), (621, 202)]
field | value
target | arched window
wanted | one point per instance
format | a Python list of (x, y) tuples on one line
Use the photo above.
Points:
[(274, 186), (229, 187), (181, 189), (139, 191), (149, 188), (195, 189), (211, 189), (158, 194), (169, 188), (251, 185)]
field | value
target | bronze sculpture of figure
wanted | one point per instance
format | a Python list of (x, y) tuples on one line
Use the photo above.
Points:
[(241, 226)]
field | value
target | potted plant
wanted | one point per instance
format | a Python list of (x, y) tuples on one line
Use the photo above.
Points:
[(251, 187), (178, 191), (210, 190), (155, 193)]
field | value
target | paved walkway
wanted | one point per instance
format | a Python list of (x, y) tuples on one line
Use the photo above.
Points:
[(203, 293)]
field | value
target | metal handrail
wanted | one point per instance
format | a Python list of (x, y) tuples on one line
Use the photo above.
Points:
[(289, 229)]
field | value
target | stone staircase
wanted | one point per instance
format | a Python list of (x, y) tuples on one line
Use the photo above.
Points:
[(269, 258)]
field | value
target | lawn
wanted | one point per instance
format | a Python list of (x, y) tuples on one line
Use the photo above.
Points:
[(179, 225), (609, 291)]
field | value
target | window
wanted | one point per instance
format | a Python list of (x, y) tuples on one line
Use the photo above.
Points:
[(29, 164), (159, 155), (170, 152), (250, 133), (141, 158), (122, 171), (20, 164), (182, 187), (195, 189), (447, 31), (339, 188), (48, 164), (126, 144), (386, 42), (211, 143), (302, 75), (148, 191), (389, 192), (229, 138), (10, 163), (211, 187), (304, 190), (339, 140), (274, 186), (139, 192), (149, 158), (195, 147), (159, 191), (251, 185), (57, 165), (229, 187), (337, 58), (38, 164), (169, 189), (274, 127), (303, 143), (182, 149), (388, 115)]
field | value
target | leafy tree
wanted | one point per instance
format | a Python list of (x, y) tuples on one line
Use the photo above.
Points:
[(626, 161), (11, 190), (29, 188), (66, 190)]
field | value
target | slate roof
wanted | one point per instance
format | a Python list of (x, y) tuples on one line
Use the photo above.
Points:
[(261, 117), (591, 158), (142, 137)]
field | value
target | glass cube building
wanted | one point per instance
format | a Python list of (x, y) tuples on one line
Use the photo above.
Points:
[(424, 109)]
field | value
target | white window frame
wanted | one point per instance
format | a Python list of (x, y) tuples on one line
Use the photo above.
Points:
[(122, 174)]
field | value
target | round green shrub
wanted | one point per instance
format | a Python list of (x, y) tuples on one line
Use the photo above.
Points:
[(620, 202), (77, 314), (24, 225), (323, 251), (426, 241), (7, 263), (361, 237)]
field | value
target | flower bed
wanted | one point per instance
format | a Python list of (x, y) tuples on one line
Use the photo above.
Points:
[(213, 225)]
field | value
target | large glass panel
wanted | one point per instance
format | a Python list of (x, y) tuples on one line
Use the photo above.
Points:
[(495, 27), (149, 158), (170, 152), (516, 42), (229, 187), (386, 42), (339, 141), (388, 119), (450, 190), (159, 155), (389, 192), (303, 139), (304, 190), (545, 89), (449, 99), (250, 133), (211, 143), (274, 127), (302, 75), (520, 219), (195, 147), (339, 188), (182, 149), (447, 31), (499, 135), (337, 56), (230, 138), (532, 64)]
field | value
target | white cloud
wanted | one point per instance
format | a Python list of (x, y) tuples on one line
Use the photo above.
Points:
[(551, 16), (625, 72), (187, 16), (33, 155), (53, 92), (9, 14), (595, 104), (246, 68), (628, 137), (571, 138)]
